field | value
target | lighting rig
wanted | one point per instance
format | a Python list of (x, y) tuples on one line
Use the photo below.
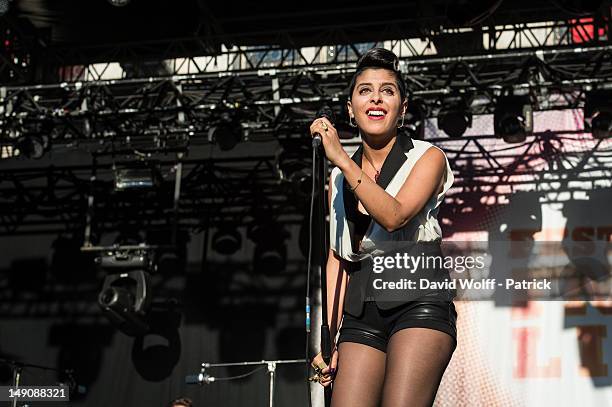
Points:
[(264, 99)]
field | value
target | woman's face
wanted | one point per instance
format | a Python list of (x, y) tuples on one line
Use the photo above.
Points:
[(376, 103)]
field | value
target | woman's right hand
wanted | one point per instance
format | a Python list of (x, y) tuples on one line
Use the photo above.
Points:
[(331, 142), (328, 373)]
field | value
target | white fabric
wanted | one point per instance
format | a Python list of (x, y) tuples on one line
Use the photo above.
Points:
[(423, 227)]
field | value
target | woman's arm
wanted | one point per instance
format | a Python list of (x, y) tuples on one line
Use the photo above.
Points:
[(395, 212), (337, 278), (390, 212)]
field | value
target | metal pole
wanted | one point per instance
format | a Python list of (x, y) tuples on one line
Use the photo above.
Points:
[(322, 199), (16, 380), (272, 372)]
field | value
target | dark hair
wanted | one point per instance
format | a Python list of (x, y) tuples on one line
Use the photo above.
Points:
[(181, 401), (379, 58)]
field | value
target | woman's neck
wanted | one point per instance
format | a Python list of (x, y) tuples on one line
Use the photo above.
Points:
[(377, 151)]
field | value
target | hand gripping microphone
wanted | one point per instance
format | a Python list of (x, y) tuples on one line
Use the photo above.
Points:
[(328, 113)]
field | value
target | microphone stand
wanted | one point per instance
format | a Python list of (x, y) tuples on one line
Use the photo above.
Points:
[(205, 378), (320, 226), (18, 367)]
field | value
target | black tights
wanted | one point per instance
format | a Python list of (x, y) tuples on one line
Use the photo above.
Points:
[(407, 375)]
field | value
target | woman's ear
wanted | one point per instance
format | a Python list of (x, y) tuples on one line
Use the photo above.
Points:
[(349, 107)]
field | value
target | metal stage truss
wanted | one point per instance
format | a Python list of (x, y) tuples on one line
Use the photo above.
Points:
[(170, 118), (32, 59)]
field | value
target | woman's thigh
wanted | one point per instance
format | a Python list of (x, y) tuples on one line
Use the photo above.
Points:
[(416, 360), (359, 381)]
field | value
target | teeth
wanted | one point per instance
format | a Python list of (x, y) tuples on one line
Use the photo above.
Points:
[(376, 113)]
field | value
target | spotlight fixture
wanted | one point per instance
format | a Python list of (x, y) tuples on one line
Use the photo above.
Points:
[(125, 297), (454, 117), (294, 167), (513, 118), (416, 116), (227, 132), (119, 3), (136, 176), (270, 255), (124, 300), (31, 146), (5, 6), (598, 113), (226, 240)]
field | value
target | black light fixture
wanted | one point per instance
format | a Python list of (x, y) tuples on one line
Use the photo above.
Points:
[(119, 3), (294, 167), (227, 240), (138, 175), (270, 256), (513, 118), (125, 297), (454, 117), (226, 132), (31, 146), (598, 113), (5, 6), (416, 115)]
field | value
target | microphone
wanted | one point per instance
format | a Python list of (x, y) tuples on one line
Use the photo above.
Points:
[(327, 113), (199, 379)]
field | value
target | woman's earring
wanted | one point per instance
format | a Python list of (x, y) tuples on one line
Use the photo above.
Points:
[(351, 122), (402, 125)]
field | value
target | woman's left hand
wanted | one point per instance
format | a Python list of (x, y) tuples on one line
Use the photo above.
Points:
[(326, 374), (331, 142)]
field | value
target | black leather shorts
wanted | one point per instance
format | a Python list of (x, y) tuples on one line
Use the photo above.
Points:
[(375, 326)]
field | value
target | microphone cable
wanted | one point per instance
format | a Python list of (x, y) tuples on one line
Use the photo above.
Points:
[(308, 276)]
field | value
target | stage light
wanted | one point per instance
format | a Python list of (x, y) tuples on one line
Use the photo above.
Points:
[(123, 301), (294, 167), (31, 146), (136, 176), (5, 5), (513, 118), (454, 118), (119, 3), (270, 256), (227, 240), (598, 113), (132, 178), (7, 151), (416, 115), (227, 132), (125, 296)]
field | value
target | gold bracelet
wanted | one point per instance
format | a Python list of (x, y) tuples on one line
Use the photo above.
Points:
[(358, 182)]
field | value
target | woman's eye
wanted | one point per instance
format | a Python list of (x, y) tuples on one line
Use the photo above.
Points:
[(389, 91), (363, 91)]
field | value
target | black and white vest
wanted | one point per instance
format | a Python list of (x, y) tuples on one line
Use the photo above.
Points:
[(423, 227)]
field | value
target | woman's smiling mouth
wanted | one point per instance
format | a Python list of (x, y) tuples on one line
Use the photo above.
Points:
[(376, 113)]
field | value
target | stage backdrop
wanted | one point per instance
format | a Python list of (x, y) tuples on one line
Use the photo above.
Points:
[(537, 353)]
